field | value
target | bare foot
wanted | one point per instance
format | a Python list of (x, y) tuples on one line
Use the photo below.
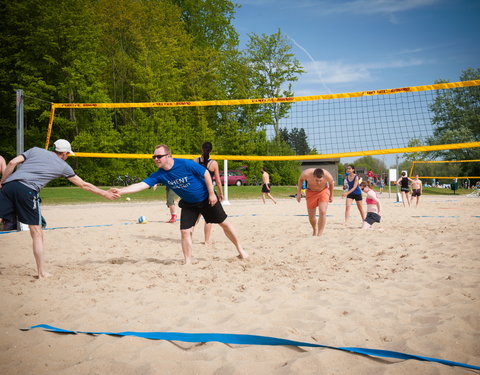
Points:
[(243, 254), (44, 275)]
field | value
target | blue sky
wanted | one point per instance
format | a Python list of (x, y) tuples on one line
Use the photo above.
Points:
[(359, 45)]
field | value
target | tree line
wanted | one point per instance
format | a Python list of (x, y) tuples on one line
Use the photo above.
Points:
[(90, 51)]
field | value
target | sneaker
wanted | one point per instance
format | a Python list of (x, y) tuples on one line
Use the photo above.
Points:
[(173, 219)]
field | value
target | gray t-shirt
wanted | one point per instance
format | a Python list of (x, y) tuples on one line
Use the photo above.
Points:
[(39, 168)]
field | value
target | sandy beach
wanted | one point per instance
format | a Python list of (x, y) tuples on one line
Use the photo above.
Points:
[(410, 285)]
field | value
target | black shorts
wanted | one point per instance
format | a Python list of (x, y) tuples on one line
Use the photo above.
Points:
[(372, 217), (190, 212), (18, 201), (266, 188), (405, 190), (416, 192), (357, 197)]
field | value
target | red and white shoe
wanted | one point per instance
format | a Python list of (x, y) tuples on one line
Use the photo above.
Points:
[(173, 219)]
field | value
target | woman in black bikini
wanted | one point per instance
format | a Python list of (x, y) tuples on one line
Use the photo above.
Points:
[(404, 188), (212, 167)]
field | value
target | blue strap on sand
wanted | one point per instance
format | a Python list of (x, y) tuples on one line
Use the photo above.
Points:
[(227, 338)]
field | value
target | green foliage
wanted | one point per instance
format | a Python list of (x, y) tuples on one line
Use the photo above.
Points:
[(272, 67), (297, 139), (457, 120), (92, 51), (376, 165)]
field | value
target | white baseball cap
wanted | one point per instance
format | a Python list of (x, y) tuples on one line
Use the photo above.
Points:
[(62, 145)]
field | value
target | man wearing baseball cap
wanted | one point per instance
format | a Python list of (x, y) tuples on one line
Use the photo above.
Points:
[(21, 182)]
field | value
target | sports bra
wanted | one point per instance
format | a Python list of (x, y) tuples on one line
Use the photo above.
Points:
[(370, 200)]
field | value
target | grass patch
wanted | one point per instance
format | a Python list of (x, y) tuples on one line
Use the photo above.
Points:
[(75, 195)]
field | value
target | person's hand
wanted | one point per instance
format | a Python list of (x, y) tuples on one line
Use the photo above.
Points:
[(330, 200), (109, 194), (344, 195), (220, 196), (212, 199), (298, 197), (114, 193)]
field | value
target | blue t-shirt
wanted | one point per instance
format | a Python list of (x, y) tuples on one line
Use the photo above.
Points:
[(185, 178)]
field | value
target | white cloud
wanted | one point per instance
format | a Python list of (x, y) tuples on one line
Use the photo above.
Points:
[(354, 6), (379, 6), (333, 72)]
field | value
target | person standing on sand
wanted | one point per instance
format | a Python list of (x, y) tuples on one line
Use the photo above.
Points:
[(266, 186), (417, 189), (19, 190), (353, 193), (404, 188), (319, 193), (214, 170)]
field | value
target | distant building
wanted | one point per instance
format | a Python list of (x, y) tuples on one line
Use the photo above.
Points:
[(331, 165)]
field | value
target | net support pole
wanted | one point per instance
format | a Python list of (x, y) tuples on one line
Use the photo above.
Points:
[(225, 202), (20, 137), (20, 122)]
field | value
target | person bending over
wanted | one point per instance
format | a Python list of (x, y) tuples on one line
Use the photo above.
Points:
[(193, 184), (20, 188), (319, 193)]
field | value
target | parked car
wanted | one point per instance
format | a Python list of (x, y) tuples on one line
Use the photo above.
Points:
[(235, 177)]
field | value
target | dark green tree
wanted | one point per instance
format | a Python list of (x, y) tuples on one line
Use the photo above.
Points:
[(297, 139)]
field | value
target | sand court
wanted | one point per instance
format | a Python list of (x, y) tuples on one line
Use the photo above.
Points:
[(410, 287)]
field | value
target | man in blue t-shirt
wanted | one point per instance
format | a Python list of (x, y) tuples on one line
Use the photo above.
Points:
[(193, 184)]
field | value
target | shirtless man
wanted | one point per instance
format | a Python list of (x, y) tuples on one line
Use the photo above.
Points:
[(417, 189), (319, 193), (266, 186)]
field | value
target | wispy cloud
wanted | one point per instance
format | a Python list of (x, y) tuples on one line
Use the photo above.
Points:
[(376, 6), (334, 72), (326, 7)]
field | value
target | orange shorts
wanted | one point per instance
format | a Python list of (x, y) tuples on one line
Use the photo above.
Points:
[(316, 197)]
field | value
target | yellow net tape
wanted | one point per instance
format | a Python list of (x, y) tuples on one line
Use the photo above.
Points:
[(291, 157), (439, 86)]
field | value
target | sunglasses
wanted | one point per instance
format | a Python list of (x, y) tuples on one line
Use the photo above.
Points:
[(158, 156)]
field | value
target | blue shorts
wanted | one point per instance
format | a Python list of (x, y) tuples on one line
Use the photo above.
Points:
[(18, 201)]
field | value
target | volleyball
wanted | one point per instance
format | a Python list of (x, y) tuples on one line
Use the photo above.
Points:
[(142, 220), (127, 198)]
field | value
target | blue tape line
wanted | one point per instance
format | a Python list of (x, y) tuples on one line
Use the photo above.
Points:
[(227, 338), (434, 216)]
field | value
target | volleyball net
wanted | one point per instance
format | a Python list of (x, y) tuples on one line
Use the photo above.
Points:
[(362, 123)]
